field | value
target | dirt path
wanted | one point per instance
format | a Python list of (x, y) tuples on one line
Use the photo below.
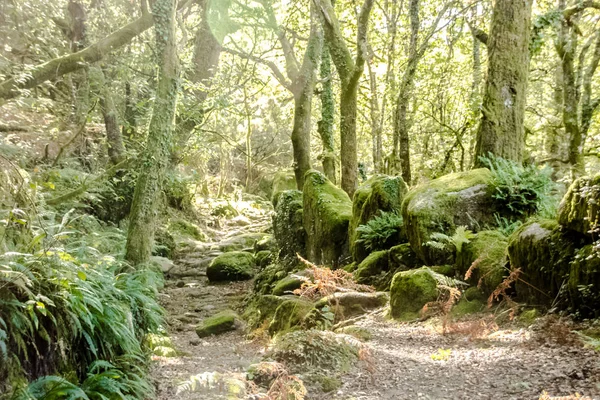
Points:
[(412, 361)]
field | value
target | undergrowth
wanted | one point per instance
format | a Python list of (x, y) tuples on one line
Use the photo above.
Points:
[(377, 232)]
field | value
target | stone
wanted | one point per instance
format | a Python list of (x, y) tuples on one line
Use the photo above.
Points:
[(327, 210), (289, 315), (410, 291), (163, 263), (283, 181), (222, 322), (579, 209), (232, 266), (288, 228)]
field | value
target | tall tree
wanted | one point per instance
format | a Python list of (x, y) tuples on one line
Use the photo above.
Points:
[(349, 70), (501, 131), (325, 125), (155, 159)]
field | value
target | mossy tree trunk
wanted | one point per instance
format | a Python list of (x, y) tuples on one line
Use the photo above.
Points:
[(501, 131), (350, 71), (155, 159), (376, 140), (325, 125)]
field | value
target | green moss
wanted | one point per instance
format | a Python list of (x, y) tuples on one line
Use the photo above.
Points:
[(350, 267), (264, 258), (410, 291), (261, 308), (372, 266), (164, 244), (330, 383), (579, 210), (232, 266), (467, 307), (283, 180), (379, 193), (402, 258), (288, 284), (289, 315), (327, 210), (267, 242), (246, 241), (187, 229), (443, 204), (528, 317), (357, 331), (268, 277), (584, 282), (446, 270), (487, 252), (543, 253), (474, 293), (288, 228), (224, 321)]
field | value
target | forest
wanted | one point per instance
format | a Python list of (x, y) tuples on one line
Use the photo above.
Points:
[(299, 199)]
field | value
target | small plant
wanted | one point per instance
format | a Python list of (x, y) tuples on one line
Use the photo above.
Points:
[(461, 236), (521, 191), (441, 355), (377, 233)]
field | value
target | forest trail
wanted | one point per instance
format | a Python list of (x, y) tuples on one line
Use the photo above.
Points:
[(407, 361)]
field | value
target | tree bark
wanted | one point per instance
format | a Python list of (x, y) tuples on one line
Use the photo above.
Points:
[(501, 131), (350, 71), (57, 67), (325, 125), (155, 159)]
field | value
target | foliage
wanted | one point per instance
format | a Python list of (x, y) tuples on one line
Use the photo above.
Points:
[(376, 233), (68, 301), (521, 191), (461, 236)]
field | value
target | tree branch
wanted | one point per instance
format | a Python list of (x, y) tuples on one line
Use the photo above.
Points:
[(276, 72), (478, 34), (570, 11), (361, 38)]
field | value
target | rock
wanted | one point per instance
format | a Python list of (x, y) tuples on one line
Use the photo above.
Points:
[(584, 282), (379, 193), (371, 267), (327, 210), (185, 228), (410, 291), (283, 181), (163, 263), (350, 304), (264, 258), (579, 210), (268, 277), (180, 284), (543, 253), (487, 253), (164, 244), (266, 243), (288, 284), (289, 315), (241, 220), (261, 308), (357, 331), (241, 242), (264, 373), (222, 322), (441, 205), (288, 228), (402, 258), (232, 266)]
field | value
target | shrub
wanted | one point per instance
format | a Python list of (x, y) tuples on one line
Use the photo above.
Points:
[(378, 233)]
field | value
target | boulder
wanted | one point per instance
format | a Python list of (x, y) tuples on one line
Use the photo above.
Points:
[(268, 278), (232, 266), (289, 315), (185, 228), (283, 181), (326, 216), (288, 284), (288, 228), (264, 258), (222, 322), (402, 258), (486, 256), (164, 244), (350, 304), (266, 243), (261, 308), (163, 263), (584, 282), (410, 291), (443, 204), (579, 210), (543, 252), (372, 266), (379, 193), (245, 241)]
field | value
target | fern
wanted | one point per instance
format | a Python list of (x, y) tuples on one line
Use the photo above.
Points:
[(376, 234), (441, 241)]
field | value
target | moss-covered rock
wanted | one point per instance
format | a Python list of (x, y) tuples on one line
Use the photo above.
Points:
[(289, 315), (579, 210), (268, 278), (379, 193), (326, 216), (543, 252), (267, 242), (232, 266), (443, 204), (584, 282), (288, 228), (288, 284), (358, 332), (402, 258), (245, 241), (264, 258), (410, 291), (187, 229), (487, 253), (283, 180), (467, 307), (164, 244), (350, 304), (261, 308), (372, 266), (222, 322)]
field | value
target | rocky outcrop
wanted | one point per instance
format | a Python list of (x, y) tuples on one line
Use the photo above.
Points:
[(443, 204), (327, 210), (380, 193)]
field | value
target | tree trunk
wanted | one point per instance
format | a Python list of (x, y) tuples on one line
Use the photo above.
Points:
[(348, 148), (304, 87), (376, 142), (129, 126), (114, 140), (155, 159), (501, 131), (325, 126)]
